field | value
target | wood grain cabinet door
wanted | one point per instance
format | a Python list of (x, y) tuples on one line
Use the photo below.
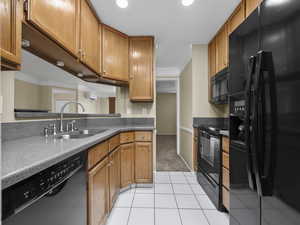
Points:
[(143, 162), (98, 191), (127, 164), (237, 17), (10, 41), (212, 57), (114, 176), (222, 48), (251, 5), (89, 37), (141, 68), (58, 19), (115, 48)]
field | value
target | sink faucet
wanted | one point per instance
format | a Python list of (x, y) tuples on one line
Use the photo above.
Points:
[(61, 129)]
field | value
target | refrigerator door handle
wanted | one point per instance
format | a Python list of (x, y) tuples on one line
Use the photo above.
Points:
[(250, 172), (265, 157)]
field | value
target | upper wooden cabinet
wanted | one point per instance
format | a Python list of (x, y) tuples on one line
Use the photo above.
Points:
[(237, 17), (251, 5), (89, 37), (11, 12), (222, 49), (141, 68), (98, 190), (58, 19), (212, 67), (115, 47), (143, 162)]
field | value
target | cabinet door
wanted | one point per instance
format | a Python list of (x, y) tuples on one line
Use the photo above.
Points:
[(10, 41), (127, 164), (251, 5), (114, 176), (141, 69), (89, 37), (212, 57), (222, 49), (115, 52), (143, 162), (237, 17), (98, 190), (59, 19)]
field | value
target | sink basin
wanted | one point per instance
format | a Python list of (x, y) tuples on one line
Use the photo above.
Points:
[(80, 134)]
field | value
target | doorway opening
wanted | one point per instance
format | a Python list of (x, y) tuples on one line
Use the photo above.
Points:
[(167, 122)]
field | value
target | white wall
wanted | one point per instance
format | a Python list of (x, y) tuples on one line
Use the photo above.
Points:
[(166, 114)]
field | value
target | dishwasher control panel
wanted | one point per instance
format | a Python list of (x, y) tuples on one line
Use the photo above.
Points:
[(42, 184)]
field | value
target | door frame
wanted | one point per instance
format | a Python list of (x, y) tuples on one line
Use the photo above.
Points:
[(177, 80)]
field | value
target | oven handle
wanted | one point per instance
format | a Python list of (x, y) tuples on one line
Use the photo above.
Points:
[(62, 182)]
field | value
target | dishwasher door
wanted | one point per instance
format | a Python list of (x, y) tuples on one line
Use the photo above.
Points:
[(65, 205)]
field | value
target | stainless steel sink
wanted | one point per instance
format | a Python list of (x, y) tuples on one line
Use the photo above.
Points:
[(80, 134)]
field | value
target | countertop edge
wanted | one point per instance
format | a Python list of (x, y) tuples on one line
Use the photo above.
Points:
[(19, 175)]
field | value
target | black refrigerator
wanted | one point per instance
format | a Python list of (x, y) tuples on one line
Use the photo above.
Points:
[(264, 98)]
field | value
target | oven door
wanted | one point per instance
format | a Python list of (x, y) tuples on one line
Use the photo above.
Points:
[(209, 155)]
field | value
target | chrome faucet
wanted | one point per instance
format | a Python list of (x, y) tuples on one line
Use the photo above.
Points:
[(61, 129)]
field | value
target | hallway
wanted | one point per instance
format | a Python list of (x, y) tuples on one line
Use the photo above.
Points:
[(167, 158)]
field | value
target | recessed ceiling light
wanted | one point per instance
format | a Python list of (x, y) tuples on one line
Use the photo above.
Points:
[(187, 2), (122, 3)]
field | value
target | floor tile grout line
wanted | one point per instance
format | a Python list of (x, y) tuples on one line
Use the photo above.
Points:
[(202, 210), (177, 205), (128, 219)]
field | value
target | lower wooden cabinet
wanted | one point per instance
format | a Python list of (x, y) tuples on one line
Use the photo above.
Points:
[(127, 164), (98, 190), (114, 176), (143, 162)]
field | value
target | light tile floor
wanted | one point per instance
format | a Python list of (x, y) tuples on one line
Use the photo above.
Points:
[(175, 199)]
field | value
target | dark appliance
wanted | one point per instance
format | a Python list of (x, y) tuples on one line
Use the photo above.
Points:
[(219, 87), (209, 163), (264, 54), (55, 196)]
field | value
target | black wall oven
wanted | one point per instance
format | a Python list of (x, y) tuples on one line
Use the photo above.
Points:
[(209, 164)]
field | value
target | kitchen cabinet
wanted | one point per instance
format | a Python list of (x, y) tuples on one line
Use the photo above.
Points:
[(58, 19), (114, 176), (225, 173), (141, 136), (11, 13), (212, 67), (251, 5), (126, 137), (222, 49), (237, 17), (115, 58), (89, 37), (141, 68), (195, 149), (143, 162), (98, 190), (97, 153), (127, 164)]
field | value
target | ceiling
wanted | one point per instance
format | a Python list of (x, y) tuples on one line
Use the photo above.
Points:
[(174, 26)]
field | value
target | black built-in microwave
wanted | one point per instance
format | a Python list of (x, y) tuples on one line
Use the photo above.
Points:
[(219, 87)]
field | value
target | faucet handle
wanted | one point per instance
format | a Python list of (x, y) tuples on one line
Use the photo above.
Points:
[(53, 127)]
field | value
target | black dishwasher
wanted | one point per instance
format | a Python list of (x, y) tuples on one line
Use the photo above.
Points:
[(55, 196)]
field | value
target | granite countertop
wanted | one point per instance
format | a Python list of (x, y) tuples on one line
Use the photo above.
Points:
[(25, 157)]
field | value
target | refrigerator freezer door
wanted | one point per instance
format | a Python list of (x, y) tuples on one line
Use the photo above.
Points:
[(280, 34), (244, 200)]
